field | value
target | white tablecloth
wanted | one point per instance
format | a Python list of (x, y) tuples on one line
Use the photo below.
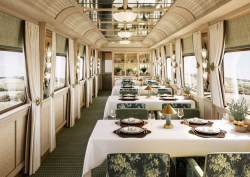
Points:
[(151, 104), (144, 92), (177, 142)]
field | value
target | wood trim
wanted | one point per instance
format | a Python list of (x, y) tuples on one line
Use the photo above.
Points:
[(65, 13), (45, 155), (61, 128), (16, 170)]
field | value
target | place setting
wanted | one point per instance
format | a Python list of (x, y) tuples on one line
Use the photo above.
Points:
[(128, 97)]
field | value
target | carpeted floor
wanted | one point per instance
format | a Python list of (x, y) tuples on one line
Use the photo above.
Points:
[(68, 157)]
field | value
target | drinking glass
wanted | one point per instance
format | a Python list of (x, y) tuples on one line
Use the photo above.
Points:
[(225, 119), (180, 113), (155, 91), (113, 116), (139, 92), (118, 91), (151, 119), (146, 82)]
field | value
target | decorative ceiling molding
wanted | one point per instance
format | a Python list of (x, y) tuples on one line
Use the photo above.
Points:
[(184, 13), (88, 32), (100, 42), (65, 13)]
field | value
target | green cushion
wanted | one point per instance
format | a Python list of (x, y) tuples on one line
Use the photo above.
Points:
[(164, 92), (138, 113), (188, 113)]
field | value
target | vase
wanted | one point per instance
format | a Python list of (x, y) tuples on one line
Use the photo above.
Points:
[(240, 129), (144, 74), (186, 97), (129, 73), (144, 61)]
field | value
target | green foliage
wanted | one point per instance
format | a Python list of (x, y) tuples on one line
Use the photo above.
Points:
[(238, 109), (122, 59), (134, 72), (144, 69), (118, 69), (19, 96), (2, 89), (147, 59), (129, 69), (4, 98), (116, 58), (186, 90), (168, 81), (157, 77), (123, 72), (128, 59)]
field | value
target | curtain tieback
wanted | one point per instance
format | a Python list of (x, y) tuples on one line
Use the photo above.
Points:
[(176, 65), (52, 94), (212, 67), (73, 85), (198, 65), (38, 101)]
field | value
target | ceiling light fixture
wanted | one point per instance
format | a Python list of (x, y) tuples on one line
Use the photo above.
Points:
[(125, 14), (124, 42), (124, 34)]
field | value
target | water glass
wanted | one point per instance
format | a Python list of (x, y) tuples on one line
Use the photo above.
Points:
[(225, 119), (139, 92), (180, 113), (113, 116)]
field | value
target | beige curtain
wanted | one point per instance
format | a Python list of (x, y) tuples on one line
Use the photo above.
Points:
[(33, 73), (178, 55), (171, 59), (197, 52), (72, 82), (217, 45), (52, 81), (154, 63), (87, 75), (163, 67)]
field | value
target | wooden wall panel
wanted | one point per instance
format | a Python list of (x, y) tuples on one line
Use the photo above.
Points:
[(76, 100), (81, 95), (45, 124), (7, 148), (59, 110), (21, 126)]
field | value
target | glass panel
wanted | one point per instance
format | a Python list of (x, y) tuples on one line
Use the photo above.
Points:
[(81, 69), (12, 84), (237, 76), (169, 68), (60, 75), (190, 72)]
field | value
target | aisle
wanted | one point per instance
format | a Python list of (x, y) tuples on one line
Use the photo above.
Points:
[(67, 159)]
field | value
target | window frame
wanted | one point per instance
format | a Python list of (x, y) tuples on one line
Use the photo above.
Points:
[(222, 67), (25, 78), (61, 55), (188, 55)]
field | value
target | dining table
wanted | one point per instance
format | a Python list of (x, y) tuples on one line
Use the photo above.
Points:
[(177, 142), (143, 91), (152, 104)]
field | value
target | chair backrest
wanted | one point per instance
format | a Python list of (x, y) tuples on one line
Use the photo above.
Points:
[(117, 79), (177, 105), (188, 113), (165, 91), (138, 113), (131, 105), (227, 164), (128, 91), (127, 83), (138, 164)]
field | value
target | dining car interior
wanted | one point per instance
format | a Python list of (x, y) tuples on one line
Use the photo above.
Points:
[(125, 88)]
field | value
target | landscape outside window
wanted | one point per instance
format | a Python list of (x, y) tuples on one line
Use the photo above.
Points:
[(237, 76), (190, 72), (60, 74), (81, 71), (169, 68), (12, 83)]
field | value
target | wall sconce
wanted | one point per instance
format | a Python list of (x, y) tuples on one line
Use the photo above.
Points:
[(173, 56), (204, 52), (47, 65), (77, 67), (48, 53), (204, 64), (205, 76)]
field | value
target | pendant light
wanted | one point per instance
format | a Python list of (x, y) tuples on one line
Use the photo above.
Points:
[(125, 15), (124, 34)]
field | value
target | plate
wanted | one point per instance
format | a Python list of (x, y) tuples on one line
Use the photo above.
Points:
[(128, 98), (132, 130), (208, 130), (154, 86), (127, 86), (168, 98), (166, 95), (131, 121), (129, 95), (197, 121)]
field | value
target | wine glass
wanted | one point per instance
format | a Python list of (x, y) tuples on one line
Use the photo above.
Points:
[(139, 92), (155, 91), (113, 116), (151, 119), (225, 119), (180, 113), (146, 82)]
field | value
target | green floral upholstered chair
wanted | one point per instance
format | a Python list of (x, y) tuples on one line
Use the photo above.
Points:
[(177, 105), (138, 165), (221, 165), (131, 105), (129, 91), (165, 91), (188, 113), (132, 112), (151, 83)]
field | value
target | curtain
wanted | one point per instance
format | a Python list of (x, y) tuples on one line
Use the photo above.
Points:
[(197, 51), (171, 59), (163, 67), (72, 82), (95, 69), (217, 45), (33, 74), (87, 75), (52, 81), (154, 63), (178, 55)]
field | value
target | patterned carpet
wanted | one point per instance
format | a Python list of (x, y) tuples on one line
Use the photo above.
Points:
[(67, 159)]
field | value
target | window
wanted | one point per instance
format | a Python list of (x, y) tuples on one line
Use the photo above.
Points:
[(12, 84), (81, 69), (190, 72), (60, 75), (169, 68), (237, 76)]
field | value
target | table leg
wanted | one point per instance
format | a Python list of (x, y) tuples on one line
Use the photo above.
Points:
[(89, 174)]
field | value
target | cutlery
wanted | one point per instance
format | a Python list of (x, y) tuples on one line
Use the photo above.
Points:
[(146, 130)]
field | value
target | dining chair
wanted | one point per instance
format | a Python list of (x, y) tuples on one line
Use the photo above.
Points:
[(139, 113), (188, 113), (131, 105), (221, 164), (177, 105), (128, 91), (164, 91), (138, 164)]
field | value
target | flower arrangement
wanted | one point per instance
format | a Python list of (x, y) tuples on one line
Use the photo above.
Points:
[(118, 69), (157, 77), (122, 60), (168, 81), (129, 70), (144, 69), (238, 109), (147, 60)]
